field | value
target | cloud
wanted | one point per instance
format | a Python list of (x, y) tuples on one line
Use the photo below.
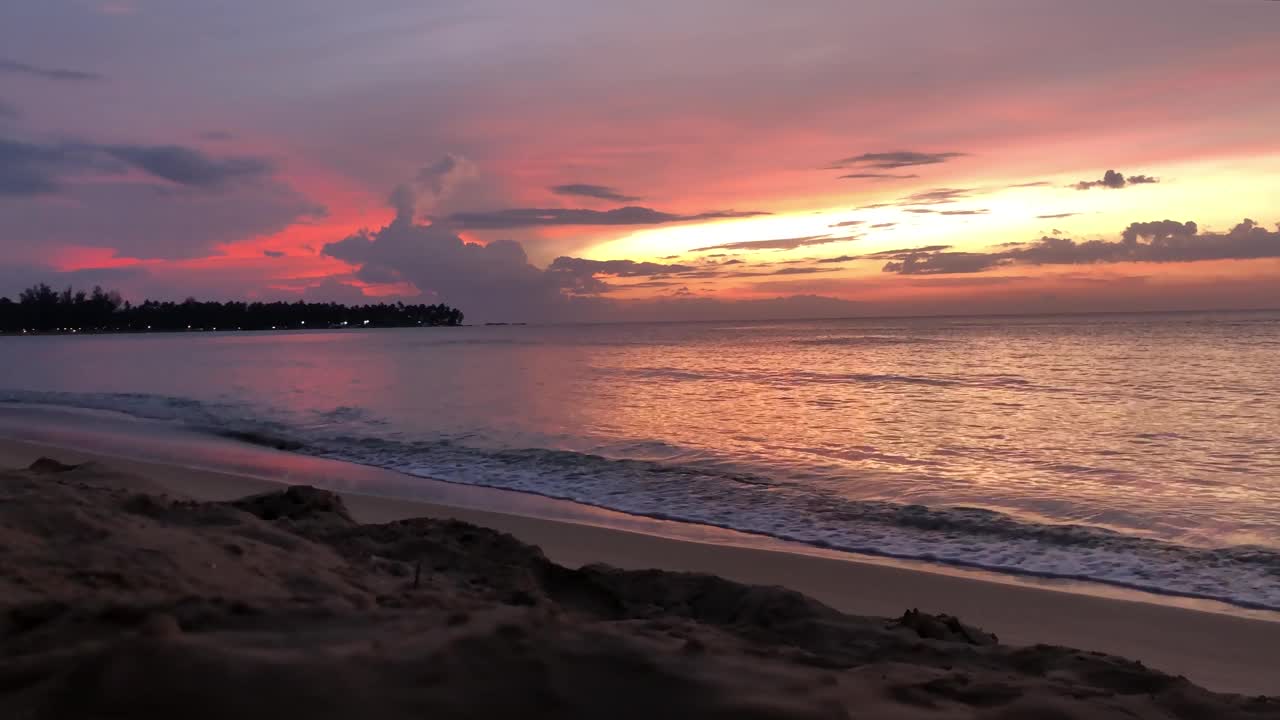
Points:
[(966, 212), (8, 110), (432, 184), (600, 192), (848, 223), (1037, 183), (778, 243), (35, 169), (941, 263), (216, 135), (884, 225), (839, 259), (1055, 216), (800, 271), (1159, 241), (495, 280), (440, 177), (920, 211), (897, 159), (333, 290), (143, 219), (544, 217), (937, 196), (876, 176), (21, 68), (186, 166), (273, 253), (1115, 181), (904, 251), (580, 276)]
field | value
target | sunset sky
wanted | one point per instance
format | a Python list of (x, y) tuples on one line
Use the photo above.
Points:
[(588, 160)]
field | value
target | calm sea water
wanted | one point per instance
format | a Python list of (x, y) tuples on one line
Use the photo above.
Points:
[(1137, 450)]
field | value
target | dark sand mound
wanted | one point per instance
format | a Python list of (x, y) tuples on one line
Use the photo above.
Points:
[(116, 603)]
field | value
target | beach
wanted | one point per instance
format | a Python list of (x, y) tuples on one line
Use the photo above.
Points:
[(1221, 652)]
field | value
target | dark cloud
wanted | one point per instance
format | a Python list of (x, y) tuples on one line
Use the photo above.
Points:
[(784, 271), (497, 281), (800, 271), (580, 275), (441, 176), (187, 166), (904, 251), (21, 68), (876, 176), (966, 212), (840, 259), (488, 281), (543, 217), (937, 196), (898, 159), (779, 243), (884, 225), (432, 184), (600, 192), (848, 223), (146, 219), (494, 280), (1115, 181), (942, 263), (35, 169), (1160, 241), (873, 207), (273, 253), (1055, 216), (920, 211), (332, 289)]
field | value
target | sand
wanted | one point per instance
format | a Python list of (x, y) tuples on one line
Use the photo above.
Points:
[(770, 652)]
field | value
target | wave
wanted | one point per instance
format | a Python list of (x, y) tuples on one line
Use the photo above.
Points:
[(1248, 576)]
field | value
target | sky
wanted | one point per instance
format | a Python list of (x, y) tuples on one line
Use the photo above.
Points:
[(580, 160)]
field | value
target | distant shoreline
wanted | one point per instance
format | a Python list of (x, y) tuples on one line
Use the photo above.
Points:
[(193, 331)]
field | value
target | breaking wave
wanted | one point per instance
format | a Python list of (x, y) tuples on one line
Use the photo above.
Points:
[(1247, 576)]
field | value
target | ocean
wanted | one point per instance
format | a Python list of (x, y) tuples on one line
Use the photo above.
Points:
[(1140, 451)]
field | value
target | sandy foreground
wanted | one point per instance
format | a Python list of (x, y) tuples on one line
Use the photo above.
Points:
[(134, 587)]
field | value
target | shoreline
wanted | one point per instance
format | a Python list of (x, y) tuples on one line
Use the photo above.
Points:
[(107, 431), (143, 438), (1222, 652)]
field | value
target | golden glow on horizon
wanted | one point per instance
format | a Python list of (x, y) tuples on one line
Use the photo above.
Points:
[(1221, 193)]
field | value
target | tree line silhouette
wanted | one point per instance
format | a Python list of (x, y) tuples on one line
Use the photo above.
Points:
[(41, 309)]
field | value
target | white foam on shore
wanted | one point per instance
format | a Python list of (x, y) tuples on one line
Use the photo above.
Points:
[(1245, 576)]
